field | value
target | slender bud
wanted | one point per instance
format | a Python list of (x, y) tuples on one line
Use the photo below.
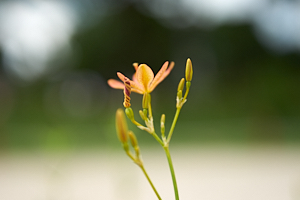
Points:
[(133, 139), (127, 92), (129, 113), (162, 124), (143, 116), (189, 70), (181, 85), (126, 147), (145, 111), (179, 94), (163, 119), (121, 125)]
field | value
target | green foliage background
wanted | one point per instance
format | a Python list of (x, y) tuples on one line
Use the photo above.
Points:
[(241, 92)]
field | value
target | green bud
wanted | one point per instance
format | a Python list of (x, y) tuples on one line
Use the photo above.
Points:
[(126, 147), (129, 113), (181, 85), (188, 84), (162, 124), (179, 94), (143, 116), (133, 139), (137, 151), (189, 70), (145, 111), (121, 125), (163, 119)]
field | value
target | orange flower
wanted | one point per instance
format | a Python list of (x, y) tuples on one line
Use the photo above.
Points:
[(143, 81)]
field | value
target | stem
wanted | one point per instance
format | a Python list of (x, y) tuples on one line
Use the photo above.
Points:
[(166, 148), (173, 125), (136, 123), (149, 107), (177, 114), (145, 173), (158, 139), (186, 92)]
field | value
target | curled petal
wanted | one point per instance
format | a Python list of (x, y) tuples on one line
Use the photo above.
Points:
[(144, 76), (115, 84), (136, 87), (127, 88), (127, 92)]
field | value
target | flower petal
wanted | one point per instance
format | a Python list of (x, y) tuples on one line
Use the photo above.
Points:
[(136, 87), (137, 90), (167, 72), (134, 79), (144, 76), (121, 76), (135, 65), (115, 84), (161, 75)]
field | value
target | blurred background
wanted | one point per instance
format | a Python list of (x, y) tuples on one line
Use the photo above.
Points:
[(57, 109)]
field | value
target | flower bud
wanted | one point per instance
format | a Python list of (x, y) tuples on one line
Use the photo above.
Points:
[(121, 125), (189, 70), (179, 94), (133, 139), (188, 84), (129, 113), (181, 85), (126, 147), (143, 116), (162, 124)]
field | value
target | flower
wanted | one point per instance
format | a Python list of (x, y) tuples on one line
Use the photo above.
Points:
[(143, 81)]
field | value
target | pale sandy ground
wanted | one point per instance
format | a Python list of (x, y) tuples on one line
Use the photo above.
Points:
[(204, 173)]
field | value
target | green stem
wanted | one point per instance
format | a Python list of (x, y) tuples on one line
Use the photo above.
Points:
[(177, 115), (173, 124), (149, 106), (166, 148), (145, 173), (158, 139)]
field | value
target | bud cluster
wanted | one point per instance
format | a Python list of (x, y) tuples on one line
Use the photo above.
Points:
[(188, 78), (124, 134)]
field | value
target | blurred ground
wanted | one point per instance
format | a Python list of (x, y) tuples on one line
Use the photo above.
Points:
[(204, 172)]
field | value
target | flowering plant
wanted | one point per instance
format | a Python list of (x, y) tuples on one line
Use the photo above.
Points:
[(144, 82)]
